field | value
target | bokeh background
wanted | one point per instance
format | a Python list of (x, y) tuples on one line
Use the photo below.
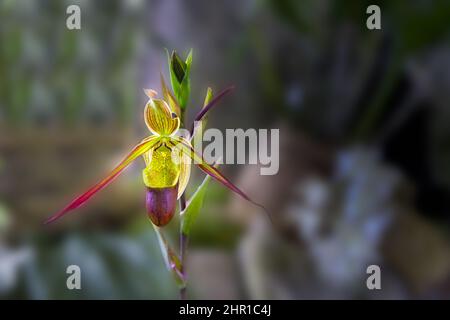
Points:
[(364, 147)]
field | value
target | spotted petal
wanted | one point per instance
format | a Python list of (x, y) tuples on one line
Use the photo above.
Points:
[(141, 148)]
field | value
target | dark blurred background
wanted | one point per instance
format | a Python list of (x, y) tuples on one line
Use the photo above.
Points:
[(364, 147)]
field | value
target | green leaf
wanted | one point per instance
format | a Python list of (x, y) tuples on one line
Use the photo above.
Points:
[(185, 86), (178, 67), (173, 76), (180, 77), (171, 259), (193, 207), (208, 97)]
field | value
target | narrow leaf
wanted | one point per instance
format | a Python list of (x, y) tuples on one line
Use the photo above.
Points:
[(199, 126), (211, 104), (193, 207), (185, 85), (189, 59), (170, 258), (208, 97), (212, 171), (168, 96), (173, 77)]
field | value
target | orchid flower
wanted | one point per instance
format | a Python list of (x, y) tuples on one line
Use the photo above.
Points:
[(165, 180), (168, 157)]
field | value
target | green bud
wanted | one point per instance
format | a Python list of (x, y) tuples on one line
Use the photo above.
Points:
[(180, 77), (178, 67)]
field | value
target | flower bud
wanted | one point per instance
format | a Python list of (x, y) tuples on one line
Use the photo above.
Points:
[(180, 77)]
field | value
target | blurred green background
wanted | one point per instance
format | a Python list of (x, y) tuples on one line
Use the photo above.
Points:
[(364, 147)]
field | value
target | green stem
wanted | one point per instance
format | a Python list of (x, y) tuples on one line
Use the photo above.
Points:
[(183, 252), (183, 241), (183, 293)]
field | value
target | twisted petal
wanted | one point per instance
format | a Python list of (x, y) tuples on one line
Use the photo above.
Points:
[(185, 172), (187, 149), (138, 150), (159, 119)]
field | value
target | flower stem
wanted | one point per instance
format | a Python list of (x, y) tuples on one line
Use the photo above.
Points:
[(183, 293), (182, 202), (183, 241), (183, 250)]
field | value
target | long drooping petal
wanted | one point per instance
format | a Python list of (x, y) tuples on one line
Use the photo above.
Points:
[(187, 149), (138, 150)]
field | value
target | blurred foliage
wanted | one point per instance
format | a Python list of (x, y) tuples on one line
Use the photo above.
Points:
[(214, 229), (407, 29), (311, 63), (52, 75), (113, 266)]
